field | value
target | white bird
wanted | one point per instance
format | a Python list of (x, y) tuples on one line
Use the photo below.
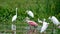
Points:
[(44, 27), (15, 16), (30, 13), (54, 20), (39, 20)]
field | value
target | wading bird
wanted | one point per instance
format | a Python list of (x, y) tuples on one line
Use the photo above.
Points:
[(54, 20), (14, 26), (15, 16), (30, 13), (44, 26), (32, 23)]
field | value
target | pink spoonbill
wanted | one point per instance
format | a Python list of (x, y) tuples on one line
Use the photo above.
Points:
[(31, 23)]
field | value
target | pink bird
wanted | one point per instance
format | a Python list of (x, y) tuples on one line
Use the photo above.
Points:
[(31, 23)]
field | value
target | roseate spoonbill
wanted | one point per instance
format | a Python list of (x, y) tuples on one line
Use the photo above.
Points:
[(31, 23), (54, 20), (30, 13), (15, 16), (44, 27)]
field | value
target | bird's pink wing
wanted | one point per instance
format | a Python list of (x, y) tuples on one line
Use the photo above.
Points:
[(33, 23)]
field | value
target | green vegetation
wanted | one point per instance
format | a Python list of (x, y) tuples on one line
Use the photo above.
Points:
[(41, 9)]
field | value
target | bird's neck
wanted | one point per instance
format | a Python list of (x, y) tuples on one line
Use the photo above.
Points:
[(16, 11), (28, 20)]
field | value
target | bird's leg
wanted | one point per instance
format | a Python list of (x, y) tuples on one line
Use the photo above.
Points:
[(14, 22), (30, 27), (35, 32), (53, 29), (13, 32), (30, 31), (42, 33), (45, 32)]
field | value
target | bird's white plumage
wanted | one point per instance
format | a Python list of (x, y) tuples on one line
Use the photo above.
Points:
[(13, 27), (15, 16), (44, 27), (30, 13), (54, 20)]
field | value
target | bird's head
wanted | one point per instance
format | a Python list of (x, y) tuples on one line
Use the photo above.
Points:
[(53, 17), (27, 19), (27, 11), (47, 23), (44, 19), (16, 8), (49, 17)]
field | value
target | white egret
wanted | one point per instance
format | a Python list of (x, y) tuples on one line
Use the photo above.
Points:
[(54, 20), (30, 13), (44, 27), (13, 19), (15, 16)]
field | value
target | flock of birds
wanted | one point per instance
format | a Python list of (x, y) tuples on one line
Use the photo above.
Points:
[(33, 23)]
